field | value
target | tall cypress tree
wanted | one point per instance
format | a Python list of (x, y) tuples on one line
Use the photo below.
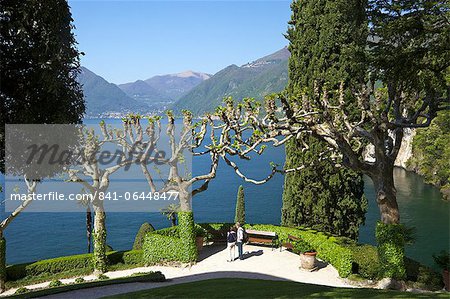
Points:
[(39, 63), (327, 40), (240, 206)]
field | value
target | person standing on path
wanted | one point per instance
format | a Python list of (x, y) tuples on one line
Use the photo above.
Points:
[(231, 243), (240, 240)]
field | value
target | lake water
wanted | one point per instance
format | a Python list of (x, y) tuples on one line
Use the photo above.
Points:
[(34, 236)]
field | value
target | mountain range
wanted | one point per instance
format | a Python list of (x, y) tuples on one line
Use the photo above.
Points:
[(159, 91), (195, 91), (105, 99), (256, 79), (154, 95)]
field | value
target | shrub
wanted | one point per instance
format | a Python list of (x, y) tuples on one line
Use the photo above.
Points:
[(102, 277), (79, 280), (187, 234), (21, 290), (391, 249), (442, 260), (69, 263), (161, 248), (423, 276), (301, 246), (240, 206), (50, 266), (143, 230), (174, 244), (55, 283), (216, 231), (132, 257), (366, 262), (149, 277)]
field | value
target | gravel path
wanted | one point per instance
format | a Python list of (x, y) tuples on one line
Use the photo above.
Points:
[(261, 263)]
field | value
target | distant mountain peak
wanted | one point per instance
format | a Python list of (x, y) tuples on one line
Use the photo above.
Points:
[(280, 55), (190, 73)]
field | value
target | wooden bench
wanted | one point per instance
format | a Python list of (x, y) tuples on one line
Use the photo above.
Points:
[(289, 243), (262, 237)]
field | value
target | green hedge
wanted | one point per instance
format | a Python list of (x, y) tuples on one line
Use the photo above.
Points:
[(69, 263), (391, 249), (366, 262), (174, 244), (216, 232), (138, 277), (139, 239), (132, 257)]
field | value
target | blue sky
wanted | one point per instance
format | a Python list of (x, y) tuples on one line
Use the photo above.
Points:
[(129, 40)]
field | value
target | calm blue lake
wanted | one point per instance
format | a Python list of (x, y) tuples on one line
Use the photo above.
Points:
[(34, 236)]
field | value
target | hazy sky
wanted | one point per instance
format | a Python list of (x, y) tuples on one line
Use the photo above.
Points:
[(129, 40)]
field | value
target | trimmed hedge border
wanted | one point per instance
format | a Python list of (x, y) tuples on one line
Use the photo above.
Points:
[(174, 244), (68, 263), (391, 249), (145, 277)]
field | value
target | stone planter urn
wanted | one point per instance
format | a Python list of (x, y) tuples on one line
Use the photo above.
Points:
[(308, 260)]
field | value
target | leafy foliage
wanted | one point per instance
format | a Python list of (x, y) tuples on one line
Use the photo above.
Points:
[(102, 277), (410, 53), (21, 290), (423, 277), (366, 262), (391, 249), (171, 212), (99, 240), (442, 260), (143, 230), (40, 62), (174, 244), (240, 206), (69, 263), (55, 283), (321, 196), (431, 153)]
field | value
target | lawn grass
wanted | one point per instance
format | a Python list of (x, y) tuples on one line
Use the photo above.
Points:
[(253, 288)]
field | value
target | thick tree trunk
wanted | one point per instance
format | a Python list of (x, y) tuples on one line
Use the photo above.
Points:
[(185, 201), (386, 196), (99, 235), (389, 232), (2, 263)]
